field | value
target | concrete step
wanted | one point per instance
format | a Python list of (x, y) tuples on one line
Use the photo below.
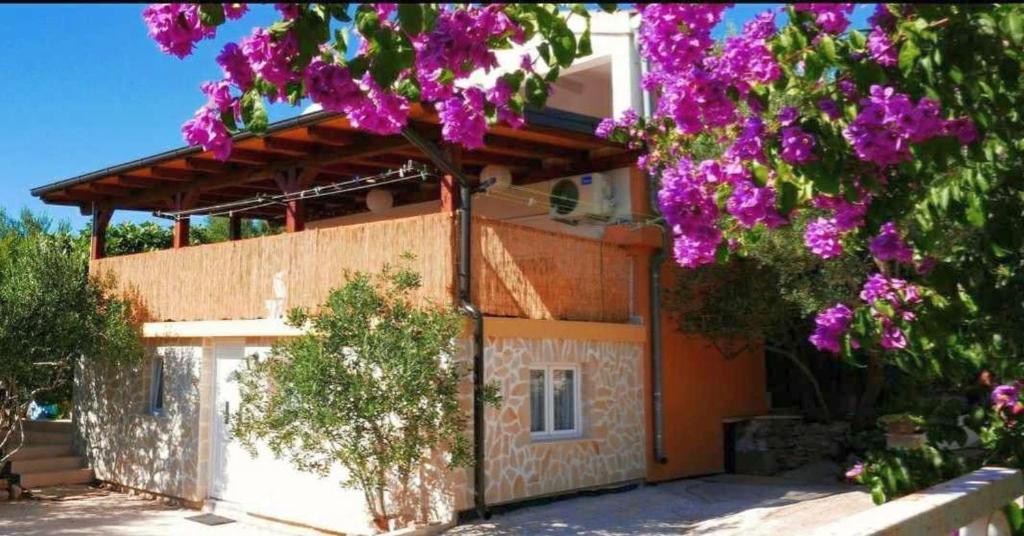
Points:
[(35, 452), (46, 438), (50, 427), (56, 478), (57, 463)]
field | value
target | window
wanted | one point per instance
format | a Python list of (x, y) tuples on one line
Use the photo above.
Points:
[(156, 386), (554, 402)]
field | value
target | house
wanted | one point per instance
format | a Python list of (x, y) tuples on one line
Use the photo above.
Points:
[(561, 258)]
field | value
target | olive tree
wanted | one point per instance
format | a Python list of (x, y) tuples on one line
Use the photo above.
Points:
[(51, 314), (372, 386)]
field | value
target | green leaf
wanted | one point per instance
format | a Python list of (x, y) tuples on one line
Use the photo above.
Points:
[(608, 8), (410, 18), (908, 56), (583, 47), (787, 197), (857, 39), (827, 47), (254, 114), (813, 66), (975, 212), (367, 21), (544, 51), (552, 74), (211, 14), (1012, 25), (536, 91)]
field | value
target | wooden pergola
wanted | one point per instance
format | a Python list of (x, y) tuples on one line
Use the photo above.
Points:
[(322, 148)]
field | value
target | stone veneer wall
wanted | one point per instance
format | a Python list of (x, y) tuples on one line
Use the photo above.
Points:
[(611, 448), (127, 445)]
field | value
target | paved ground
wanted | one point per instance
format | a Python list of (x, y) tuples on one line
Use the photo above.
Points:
[(95, 512), (721, 505)]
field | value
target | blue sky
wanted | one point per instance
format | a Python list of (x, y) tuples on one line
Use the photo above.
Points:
[(83, 87)]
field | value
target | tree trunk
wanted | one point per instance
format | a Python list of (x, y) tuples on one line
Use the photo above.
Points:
[(873, 384), (795, 359)]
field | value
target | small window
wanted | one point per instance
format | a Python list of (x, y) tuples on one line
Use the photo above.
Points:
[(156, 386), (554, 402)]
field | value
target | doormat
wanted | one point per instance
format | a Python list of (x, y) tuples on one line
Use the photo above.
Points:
[(210, 519)]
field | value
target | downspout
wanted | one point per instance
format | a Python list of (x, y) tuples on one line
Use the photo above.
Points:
[(467, 307), (657, 260)]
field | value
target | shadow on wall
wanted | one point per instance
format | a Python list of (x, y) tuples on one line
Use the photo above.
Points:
[(124, 440)]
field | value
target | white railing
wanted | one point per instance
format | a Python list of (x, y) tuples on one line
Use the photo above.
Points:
[(971, 505)]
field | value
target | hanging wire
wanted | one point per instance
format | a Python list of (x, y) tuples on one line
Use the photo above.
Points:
[(410, 171)]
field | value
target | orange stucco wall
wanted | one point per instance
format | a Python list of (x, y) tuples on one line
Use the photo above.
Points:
[(700, 388)]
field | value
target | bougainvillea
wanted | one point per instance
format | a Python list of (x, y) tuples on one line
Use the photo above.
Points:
[(898, 142), (404, 53)]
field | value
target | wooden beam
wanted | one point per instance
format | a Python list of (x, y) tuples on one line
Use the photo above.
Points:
[(528, 149), (290, 146), (98, 241), (174, 173), (249, 156), (332, 136), (182, 201), (108, 189), (129, 181)]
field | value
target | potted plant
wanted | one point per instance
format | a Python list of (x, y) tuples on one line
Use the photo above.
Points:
[(902, 430)]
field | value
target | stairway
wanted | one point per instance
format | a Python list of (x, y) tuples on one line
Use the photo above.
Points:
[(46, 458)]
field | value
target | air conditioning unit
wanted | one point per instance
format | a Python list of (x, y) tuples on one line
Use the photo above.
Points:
[(590, 196)]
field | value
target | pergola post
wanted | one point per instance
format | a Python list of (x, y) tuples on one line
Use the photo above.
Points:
[(234, 227), (449, 184), (291, 181), (98, 241), (182, 201)]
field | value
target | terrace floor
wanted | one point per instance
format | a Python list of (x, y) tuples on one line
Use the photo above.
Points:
[(719, 505)]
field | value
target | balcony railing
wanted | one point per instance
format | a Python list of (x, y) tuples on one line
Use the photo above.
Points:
[(971, 505), (517, 271)]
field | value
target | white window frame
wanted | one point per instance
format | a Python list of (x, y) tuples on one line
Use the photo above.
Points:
[(157, 385), (549, 433)]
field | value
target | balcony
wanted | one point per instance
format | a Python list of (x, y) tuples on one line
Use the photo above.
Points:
[(517, 271)]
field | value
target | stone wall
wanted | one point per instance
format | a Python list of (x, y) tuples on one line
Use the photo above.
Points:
[(775, 444), (611, 447), (128, 445)]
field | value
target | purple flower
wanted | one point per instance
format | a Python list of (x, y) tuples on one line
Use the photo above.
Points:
[(881, 18), (788, 115), (384, 10), (889, 245), (235, 11), (749, 145), (926, 265), (893, 337), (831, 18), (458, 44), (1006, 395), (687, 202), (271, 58), (830, 326), (831, 108), (823, 238), (848, 89), (288, 10), (235, 66), (675, 37), (463, 119), (881, 48), (888, 122), (175, 27), (963, 128), (332, 87), (207, 130), (855, 471), (383, 112), (751, 205), (797, 146), (219, 95)]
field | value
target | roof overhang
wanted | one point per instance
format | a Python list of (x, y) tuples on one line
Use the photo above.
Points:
[(552, 143)]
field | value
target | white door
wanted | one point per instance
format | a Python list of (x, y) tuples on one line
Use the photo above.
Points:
[(267, 485), (231, 465)]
